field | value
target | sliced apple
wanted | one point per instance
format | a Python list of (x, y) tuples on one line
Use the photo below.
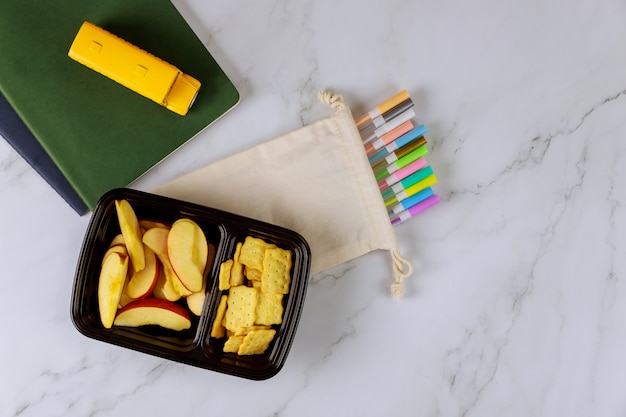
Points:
[(125, 299), (156, 239), (195, 301), (142, 282), (131, 231), (149, 224), (153, 311), (188, 250), (118, 240), (170, 275), (110, 286), (119, 248), (164, 289)]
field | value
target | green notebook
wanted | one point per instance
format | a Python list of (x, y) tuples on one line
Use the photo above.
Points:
[(100, 134)]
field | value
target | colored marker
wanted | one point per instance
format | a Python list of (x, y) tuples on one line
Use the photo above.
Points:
[(389, 126), (383, 107), (400, 163), (389, 137), (411, 191), (385, 117), (401, 174), (406, 183), (416, 133), (416, 209), (399, 153), (395, 155), (411, 201)]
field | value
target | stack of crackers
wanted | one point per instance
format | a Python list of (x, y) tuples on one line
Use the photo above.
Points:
[(256, 278)]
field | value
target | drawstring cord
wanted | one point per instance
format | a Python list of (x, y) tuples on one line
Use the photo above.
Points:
[(402, 268)]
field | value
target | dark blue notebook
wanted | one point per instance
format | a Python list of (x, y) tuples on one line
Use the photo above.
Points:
[(15, 132)]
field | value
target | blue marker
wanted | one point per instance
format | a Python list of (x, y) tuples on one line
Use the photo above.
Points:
[(411, 201), (400, 142)]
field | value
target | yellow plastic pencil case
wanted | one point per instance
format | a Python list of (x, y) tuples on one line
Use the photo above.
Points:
[(315, 180), (134, 68)]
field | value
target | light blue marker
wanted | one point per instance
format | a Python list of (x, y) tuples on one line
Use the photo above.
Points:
[(411, 201), (408, 137)]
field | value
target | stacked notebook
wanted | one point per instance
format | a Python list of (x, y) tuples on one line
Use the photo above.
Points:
[(84, 133)]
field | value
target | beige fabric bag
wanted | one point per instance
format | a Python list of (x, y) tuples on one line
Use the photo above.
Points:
[(315, 180)]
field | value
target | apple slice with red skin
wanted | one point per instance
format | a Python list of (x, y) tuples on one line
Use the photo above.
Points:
[(156, 239), (129, 225), (142, 282), (153, 311), (195, 301), (110, 286), (187, 250)]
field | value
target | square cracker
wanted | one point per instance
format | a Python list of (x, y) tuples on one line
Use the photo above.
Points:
[(224, 276), (241, 307), (236, 272), (253, 274), (276, 271), (233, 343), (245, 330), (217, 330), (256, 342), (253, 251), (269, 309)]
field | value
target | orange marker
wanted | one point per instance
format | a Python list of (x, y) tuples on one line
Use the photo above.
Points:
[(383, 108)]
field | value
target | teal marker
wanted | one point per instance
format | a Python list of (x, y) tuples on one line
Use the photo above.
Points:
[(394, 199), (409, 181)]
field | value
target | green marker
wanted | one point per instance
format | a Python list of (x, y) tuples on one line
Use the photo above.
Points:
[(411, 191), (401, 163), (409, 181)]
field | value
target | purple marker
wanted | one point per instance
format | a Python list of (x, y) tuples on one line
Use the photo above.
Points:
[(416, 209)]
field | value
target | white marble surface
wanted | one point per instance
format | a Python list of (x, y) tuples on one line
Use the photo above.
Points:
[(518, 305)]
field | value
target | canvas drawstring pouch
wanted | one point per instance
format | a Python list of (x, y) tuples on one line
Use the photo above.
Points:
[(315, 180)]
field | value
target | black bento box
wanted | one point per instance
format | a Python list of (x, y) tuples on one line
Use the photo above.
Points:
[(193, 346)]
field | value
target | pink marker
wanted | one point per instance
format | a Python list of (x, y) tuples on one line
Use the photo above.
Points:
[(389, 137), (416, 209), (402, 173)]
